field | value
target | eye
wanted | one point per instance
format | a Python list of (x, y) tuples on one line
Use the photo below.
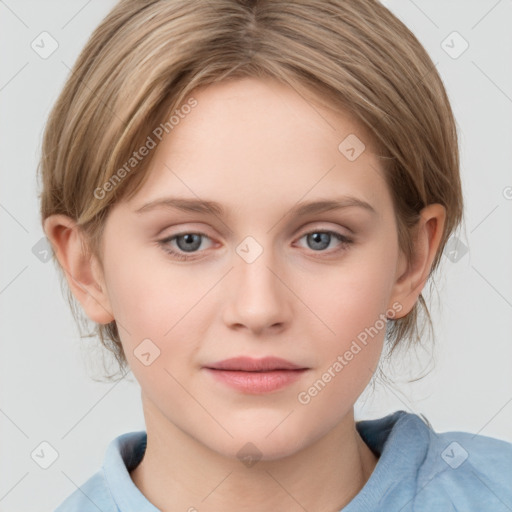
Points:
[(186, 243), (190, 242), (319, 240)]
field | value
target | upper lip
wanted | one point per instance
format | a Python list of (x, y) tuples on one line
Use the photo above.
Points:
[(249, 364)]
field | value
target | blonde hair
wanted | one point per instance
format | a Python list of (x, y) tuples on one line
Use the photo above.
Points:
[(146, 57)]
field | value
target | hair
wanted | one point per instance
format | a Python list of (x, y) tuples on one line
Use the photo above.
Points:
[(146, 57)]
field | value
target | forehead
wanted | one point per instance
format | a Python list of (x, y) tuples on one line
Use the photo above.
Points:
[(252, 142), (250, 109)]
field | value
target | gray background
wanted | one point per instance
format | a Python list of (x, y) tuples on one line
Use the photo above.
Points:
[(47, 371)]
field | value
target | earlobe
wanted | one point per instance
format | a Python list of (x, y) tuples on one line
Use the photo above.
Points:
[(82, 271), (411, 278)]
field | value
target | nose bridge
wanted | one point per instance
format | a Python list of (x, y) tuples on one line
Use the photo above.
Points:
[(258, 298), (255, 258)]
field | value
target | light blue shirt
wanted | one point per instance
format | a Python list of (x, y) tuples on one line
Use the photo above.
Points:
[(418, 470)]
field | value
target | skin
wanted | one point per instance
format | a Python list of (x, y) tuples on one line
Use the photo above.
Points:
[(257, 147)]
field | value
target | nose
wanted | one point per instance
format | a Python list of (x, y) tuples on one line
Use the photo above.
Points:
[(259, 297)]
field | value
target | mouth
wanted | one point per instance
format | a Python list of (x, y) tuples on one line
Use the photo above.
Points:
[(256, 376), (249, 364)]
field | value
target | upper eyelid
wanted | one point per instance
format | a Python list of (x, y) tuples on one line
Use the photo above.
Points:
[(302, 231)]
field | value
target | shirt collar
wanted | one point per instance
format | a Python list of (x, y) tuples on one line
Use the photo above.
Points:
[(400, 440)]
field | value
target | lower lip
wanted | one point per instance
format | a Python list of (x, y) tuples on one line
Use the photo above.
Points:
[(257, 382)]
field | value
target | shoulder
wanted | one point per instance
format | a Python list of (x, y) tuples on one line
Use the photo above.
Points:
[(466, 472), (111, 489), (92, 496)]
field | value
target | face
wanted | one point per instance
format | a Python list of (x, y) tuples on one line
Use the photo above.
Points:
[(257, 275)]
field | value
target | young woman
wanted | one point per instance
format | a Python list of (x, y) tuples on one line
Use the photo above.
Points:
[(247, 199)]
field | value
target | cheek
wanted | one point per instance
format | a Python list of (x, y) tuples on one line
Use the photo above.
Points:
[(352, 301), (155, 300), (146, 293), (354, 308), (353, 295)]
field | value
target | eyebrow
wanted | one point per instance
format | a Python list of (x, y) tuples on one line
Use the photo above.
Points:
[(208, 207)]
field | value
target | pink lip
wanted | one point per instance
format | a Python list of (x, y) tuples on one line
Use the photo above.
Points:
[(256, 375), (249, 364)]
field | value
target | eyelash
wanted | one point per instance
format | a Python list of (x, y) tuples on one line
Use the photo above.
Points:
[(344, 242)]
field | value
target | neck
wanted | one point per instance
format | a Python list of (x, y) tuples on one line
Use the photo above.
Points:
[(179, 473)]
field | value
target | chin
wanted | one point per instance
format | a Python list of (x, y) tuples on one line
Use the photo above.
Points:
[(257, 444)]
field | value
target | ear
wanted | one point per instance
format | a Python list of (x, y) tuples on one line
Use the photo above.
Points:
[(83, 272), (412, 276)]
